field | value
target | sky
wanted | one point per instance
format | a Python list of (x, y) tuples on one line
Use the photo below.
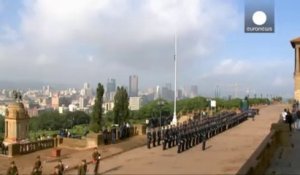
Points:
[(77, 41)]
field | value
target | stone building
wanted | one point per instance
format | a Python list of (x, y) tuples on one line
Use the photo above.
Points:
[(16, 123)]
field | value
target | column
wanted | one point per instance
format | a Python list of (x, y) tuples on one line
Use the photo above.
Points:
[(297, 49)]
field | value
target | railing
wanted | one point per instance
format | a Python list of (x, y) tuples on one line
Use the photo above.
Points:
[(25, 148)]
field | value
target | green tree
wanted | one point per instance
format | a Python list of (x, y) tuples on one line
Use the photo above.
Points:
[(2, 124), (96, 118), (121, 111)]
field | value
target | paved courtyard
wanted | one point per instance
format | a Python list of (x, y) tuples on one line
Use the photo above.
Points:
[(226, 153)]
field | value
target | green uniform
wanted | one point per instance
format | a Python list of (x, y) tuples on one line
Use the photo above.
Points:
[(12, 171), (82, 169)]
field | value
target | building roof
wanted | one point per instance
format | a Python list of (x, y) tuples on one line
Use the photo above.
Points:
[(295, 41)]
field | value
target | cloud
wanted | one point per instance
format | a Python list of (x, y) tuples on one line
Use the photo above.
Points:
[(90, 58), (239, 76), (231, 67), (7, 33), (119, 37)]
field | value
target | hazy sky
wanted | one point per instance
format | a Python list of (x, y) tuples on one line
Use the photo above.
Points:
[(74, 41)]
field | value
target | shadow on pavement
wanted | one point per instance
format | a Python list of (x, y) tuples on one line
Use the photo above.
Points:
[(112, 169)]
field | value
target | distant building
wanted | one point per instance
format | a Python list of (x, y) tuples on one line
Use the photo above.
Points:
[(191, 91), (135, 103), (87, 90), (179, 94), (63, 109), (110, 89), (73, 108), (194, 91), (133, 86), (55, 101), (108, 106), (167, 94), (83, 101)]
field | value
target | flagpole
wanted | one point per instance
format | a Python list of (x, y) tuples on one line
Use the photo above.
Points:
[(174, 121)]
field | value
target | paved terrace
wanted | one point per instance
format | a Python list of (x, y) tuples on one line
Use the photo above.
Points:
[(226, 153)]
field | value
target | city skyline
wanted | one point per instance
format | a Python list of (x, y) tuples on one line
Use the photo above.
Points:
[(89, 41)]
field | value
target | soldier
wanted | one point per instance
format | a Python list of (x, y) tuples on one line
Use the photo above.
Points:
[(165, 141), (56, 171), (180, 141), (153, 137), (203, 140), (12, 170), (158, 136), (149, 138), (170, 137), (60, 167), (96, 160), (37, 169), (82, 169)]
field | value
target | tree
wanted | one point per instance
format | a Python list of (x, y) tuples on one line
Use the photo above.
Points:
[(121, 111), (2, 124), (96, 118)]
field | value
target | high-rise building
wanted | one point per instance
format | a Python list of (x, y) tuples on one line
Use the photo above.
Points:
[(133, 86), (87, 90), (82, 102), (194, 91), (110, 89), (111, 85)]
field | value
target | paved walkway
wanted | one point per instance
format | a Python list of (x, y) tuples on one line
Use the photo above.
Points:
[(70, 157), (226, 153), (286, 159)]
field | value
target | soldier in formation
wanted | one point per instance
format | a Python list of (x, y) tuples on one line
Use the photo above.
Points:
[(149, 139), (194, 132)]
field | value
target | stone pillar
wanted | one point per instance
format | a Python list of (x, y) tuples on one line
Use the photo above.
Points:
[(296, 45)]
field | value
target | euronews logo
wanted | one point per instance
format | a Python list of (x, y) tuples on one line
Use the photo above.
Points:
[(259, 16)]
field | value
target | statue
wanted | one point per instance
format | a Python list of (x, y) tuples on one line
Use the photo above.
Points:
[(17, 95)]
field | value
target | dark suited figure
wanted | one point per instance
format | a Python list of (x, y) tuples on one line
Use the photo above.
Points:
[(12, 170), (82, 169), (154, 138), (158, 136), (149, 138), (289, 119)]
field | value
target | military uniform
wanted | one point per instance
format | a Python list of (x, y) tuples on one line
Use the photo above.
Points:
[(149, 139), (158, 136), (37, 169), (60, 168), (154, 138), (82, 169), (96, 160), (12, 170)]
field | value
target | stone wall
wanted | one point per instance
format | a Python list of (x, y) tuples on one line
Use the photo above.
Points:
[(261, 158)]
